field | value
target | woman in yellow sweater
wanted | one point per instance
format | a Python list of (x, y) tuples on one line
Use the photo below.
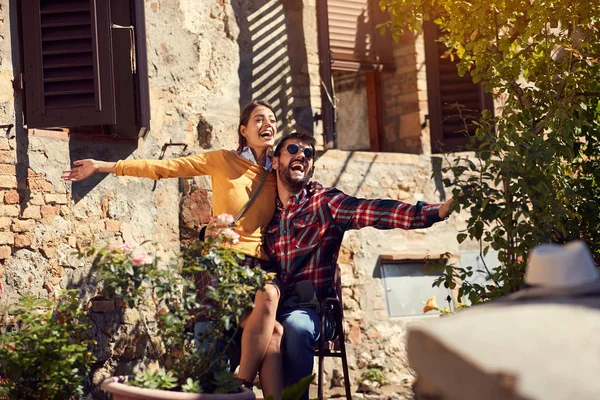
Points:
[(235, 175)]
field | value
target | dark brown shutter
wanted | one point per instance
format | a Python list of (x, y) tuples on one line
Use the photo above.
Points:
[(67, 69), (449, 96), (141, 78), (354, 39)]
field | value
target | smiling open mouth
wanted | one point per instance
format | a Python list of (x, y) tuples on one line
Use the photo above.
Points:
[(267, 134), (297, 166)]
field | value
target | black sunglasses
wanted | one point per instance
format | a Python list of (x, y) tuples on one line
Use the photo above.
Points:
[(293, 148)]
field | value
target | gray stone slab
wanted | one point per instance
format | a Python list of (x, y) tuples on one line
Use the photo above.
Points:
[(546, 349)]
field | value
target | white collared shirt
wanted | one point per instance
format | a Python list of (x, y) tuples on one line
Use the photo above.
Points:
[(247, 154)]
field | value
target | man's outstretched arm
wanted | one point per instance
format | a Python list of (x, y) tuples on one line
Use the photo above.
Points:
[(354, 213)]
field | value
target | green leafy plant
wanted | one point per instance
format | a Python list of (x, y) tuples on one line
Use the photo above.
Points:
[(134, 276), (373, 375), (44, 350), (532, 175), (157, 379)]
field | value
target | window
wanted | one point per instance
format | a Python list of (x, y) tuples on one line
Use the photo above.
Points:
[(359, 56), (84, 66), (408, 284), (446, 90)]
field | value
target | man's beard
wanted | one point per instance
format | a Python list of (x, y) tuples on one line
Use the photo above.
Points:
[(292, 184)]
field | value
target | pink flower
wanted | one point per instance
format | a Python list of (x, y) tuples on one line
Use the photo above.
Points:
[(142, 259), (126, 247), (230, 235), (224, 219)]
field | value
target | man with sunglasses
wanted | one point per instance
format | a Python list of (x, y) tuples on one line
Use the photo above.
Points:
[(304, 237)]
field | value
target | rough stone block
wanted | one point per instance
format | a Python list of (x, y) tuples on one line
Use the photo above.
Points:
[(9, 211), (48, 286), (49, 251), (56, 198), (373, 334), (347, 293), (354, 335), (37, 199), (130, 317), (196, 209), (32, 212), (40, 185), (113, 225), (65, 211), (7, 157), (49, 211), (32, 174), (8, 182), (345, 255), (5, 252), (7, 169), (21, 226), (7, 238), (5, 222), (11, 197), (23, 240), (4, 144)]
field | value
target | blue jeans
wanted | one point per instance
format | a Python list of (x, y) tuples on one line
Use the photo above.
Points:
[(301, 329), (203, 345)]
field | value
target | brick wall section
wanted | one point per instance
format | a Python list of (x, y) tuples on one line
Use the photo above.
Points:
[(404, 107), (30, 210)]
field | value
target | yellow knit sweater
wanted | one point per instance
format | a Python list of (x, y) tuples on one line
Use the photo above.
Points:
[(234, 179)]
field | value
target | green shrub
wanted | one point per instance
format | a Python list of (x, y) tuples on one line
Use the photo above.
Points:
[(45, 353)]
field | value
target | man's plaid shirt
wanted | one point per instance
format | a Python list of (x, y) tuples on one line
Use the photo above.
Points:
[(304, 239)]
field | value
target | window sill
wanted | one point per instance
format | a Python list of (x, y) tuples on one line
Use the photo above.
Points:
[(83, 135)]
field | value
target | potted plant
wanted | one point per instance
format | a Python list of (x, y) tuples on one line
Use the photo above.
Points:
[(192, 366), (45, 349)]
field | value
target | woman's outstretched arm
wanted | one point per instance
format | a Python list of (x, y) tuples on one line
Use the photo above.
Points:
[(85, 168)]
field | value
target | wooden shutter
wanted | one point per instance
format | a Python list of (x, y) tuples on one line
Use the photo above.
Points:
[(67, 55), (446, 90), (354, 39), (141, 77)]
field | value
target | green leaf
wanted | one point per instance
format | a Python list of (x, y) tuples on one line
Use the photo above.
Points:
[(296, 390)]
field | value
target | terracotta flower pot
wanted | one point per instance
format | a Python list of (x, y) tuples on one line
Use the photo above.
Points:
[(120, 391)]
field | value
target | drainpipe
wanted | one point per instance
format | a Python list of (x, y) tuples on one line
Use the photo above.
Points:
[(327, 101)]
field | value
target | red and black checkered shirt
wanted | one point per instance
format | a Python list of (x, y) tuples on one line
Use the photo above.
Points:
[(304, 238)]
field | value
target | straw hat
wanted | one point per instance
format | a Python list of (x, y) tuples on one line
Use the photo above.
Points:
[(560, 270)]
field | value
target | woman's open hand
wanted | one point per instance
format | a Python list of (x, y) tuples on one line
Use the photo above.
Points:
[(83, 169)]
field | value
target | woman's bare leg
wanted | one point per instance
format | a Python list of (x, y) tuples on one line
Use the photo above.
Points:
[(271, 371), (258, 329)]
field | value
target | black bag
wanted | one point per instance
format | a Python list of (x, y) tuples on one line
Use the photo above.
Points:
[(202, 233)]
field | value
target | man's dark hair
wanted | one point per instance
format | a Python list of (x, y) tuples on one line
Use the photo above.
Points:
[(303, 137)]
